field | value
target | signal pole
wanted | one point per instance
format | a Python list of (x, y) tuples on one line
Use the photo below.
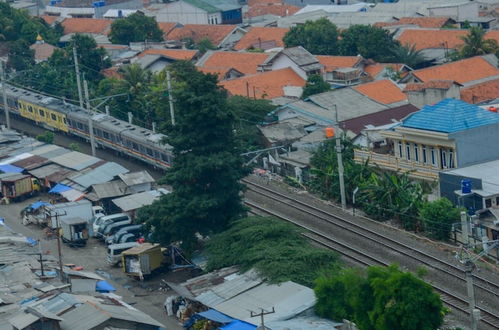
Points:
[(90, 120), (170, 97), (78, 83), (4, 93), (339, 151)]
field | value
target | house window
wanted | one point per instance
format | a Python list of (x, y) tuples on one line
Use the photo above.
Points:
[(451, 159), (488, 203), (216, 20), (416, 152), (425, 160), (443, 157), (408, 151), (400, 149), (433, 158)]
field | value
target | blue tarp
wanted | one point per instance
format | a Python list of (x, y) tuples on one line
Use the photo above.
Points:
[(216, 316), (10, 169), (238, 325), (104, 286), (37, 205), (59, 188)]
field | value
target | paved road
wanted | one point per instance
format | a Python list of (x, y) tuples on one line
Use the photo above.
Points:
[(143, 296)]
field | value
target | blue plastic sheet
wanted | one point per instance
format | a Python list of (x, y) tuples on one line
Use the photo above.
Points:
[(59, 188), (10, 169), (104, 286), (37, 205), (238, 325)]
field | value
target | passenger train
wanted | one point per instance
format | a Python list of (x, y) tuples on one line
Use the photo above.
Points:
[(109, 132)]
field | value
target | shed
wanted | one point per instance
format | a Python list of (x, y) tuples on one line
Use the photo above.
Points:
[(131, 203), (101, 174), (75, 160), (137, 181)]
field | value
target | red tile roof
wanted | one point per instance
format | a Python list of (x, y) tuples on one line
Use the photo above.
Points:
[(43, 51), (197, 32), (166, 27), (481, 92), (49, 19), (424, 39), (86, 25), (246, 63), (277, 9), (112, 72), (178, 54), (423, 22), (433, 84), (261, 35), (333, 62), (384, 91), (265, 85), (462, 71)]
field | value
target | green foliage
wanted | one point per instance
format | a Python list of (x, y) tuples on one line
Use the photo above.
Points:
[(134, 28), (74, 147), (369, 41), (315, 85), (207, 169), (21, 57), (205, 44), (319, 37), (47, 137), (273, 247), (386, 298), (438, 217), (408, 55), (475, 44)]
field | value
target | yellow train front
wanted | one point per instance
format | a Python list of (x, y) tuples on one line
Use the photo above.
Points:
[(40, 109)]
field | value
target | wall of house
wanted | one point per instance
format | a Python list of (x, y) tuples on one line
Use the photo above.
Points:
[(232, 16), (459, 12), (232, 38), (477, 145), (70, 12), (182, 12), (432, 96), (140, 188), (449, 183), (282, 61), (132, 4), (215, 18)]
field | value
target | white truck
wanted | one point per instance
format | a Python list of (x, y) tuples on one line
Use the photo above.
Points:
[(82, 209)]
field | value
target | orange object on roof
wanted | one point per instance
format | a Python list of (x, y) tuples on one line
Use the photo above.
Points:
[(177, 54), (329, 132), (262, 37), (87, 25), (197, 32), (246, 63), (383, 91)]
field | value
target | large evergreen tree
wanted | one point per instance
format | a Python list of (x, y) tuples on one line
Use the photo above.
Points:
[(207, 166), (369, 41), (319, 37), (136, 27)]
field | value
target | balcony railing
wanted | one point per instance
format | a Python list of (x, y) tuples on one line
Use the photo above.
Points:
[(392, 163)]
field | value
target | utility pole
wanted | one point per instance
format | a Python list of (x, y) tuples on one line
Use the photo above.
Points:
[(469, 266), (339, 151), (78, 83), (261, 314), (41, 257), (58, 228), (90, 120), (4, 93), (170, 97)]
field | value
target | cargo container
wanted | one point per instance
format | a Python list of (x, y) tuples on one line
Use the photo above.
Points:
[(74, 231), (142, 260), (16, 187), (54, 213)]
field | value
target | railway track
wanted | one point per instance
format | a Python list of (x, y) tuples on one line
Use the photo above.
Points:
[(445, 270)]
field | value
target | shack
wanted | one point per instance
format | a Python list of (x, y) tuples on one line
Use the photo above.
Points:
[(74, 231), (142, 260)]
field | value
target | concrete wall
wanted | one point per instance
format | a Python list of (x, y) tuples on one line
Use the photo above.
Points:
[(182, 12), (459, 12), (449, 183), (432, 96), (477, 145), (133, 4)]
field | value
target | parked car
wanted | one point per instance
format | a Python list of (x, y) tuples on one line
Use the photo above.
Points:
[(104, 221), (114, 251), (112, 228), (132, 229), (130, 238)]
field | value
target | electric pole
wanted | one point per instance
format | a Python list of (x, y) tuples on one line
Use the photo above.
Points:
[(78, 83), (339, 151), (170, 97), (58, 233), (469, 266), (90, 119), (262, 314), (4, 93)]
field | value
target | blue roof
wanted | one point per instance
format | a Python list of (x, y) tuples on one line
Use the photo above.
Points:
[(37, 205), (450, 115), (104, 286), (238, 325), (10, 169), (216, 316), (59, 188)]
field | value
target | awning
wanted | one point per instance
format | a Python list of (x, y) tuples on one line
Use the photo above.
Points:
[(10, 169), (104, 286), (238, 325), (59, 188), (72, 195), (37, 205), (215, 316)]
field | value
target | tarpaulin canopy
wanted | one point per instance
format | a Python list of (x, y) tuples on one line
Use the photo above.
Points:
[(37, 205), (216, 316), (238, 325), (7, 168), (104, 286), (59, 188), (72, 195)]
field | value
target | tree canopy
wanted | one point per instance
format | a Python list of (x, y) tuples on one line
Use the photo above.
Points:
[(438, 217), (273, 247), (315, 85), (381, 299), (319, 37), (369, 41), (134, 28), (475, 44), (207, 168)]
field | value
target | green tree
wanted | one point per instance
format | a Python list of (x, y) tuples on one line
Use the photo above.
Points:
[(47, 137), (274, 248), (74, 147), (134, 28), (207, 169), (369, 41), (21, 57), (438, 217), (408, 55), (315, 85), (205, 45), (475, 44), (319, 37)]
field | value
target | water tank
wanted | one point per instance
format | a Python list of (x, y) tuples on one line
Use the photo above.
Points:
[(466, 186)]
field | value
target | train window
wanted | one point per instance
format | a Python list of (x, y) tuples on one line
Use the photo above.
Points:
[(98, 132), (165, 158), (149, 152), (79, 125), (64, 120), (30, 109), (41, 112), (135, 146), (105, 135), (54, 117)]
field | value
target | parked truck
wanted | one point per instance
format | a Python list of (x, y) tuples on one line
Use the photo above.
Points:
[(54, 213), (142, 260), (74, 231), (16, 187)]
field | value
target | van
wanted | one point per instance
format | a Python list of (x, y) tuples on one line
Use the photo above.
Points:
[(101, 222), (132, 229), (114, 252), (113, 227)]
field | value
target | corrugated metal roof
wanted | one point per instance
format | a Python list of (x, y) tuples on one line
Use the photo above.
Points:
[(101, 174), (75, 160), (109, 189), (135, 178), (50, 151), (45, 171), (450, 115), (135, 201), (31, 162)]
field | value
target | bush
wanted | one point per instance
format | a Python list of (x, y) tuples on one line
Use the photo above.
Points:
[(47, 137)]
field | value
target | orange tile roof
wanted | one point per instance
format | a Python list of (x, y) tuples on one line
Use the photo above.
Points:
[(277, 9), (49, 19), (423, 22), (462, 71), (383, 91), (197, 32), (424, 39), (375, 69), (178, 54), (86, 25), (435, 84), (221, 72), (43, 51), (333, 62), (166, 27), (263, 2), (481, 92), (261, 35), (246, 63), (265, 85), (112, 72)]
